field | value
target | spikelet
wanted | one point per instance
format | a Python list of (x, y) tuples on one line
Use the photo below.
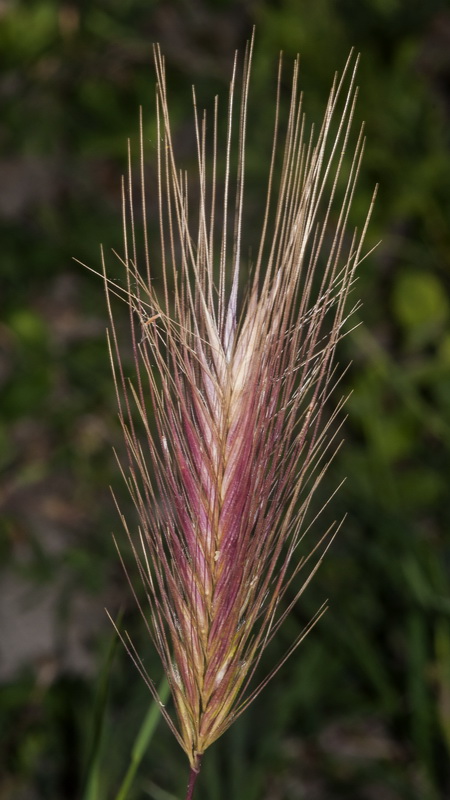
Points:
[(230, 389)]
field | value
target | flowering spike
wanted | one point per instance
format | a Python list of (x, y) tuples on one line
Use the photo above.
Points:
[(230, 394)]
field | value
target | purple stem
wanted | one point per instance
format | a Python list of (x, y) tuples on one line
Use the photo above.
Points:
[(193, 775)]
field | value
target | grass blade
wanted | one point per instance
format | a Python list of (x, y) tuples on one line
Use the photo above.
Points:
[(142, 741)]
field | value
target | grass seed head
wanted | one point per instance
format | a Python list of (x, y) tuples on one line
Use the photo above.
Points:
[(230, 388)]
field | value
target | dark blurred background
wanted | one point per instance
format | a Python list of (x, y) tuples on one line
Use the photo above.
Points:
[(362, 710)]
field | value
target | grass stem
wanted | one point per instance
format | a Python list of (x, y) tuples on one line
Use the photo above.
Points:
[(193, 775)]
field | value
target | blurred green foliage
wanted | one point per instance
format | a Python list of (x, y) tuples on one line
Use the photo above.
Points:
[(363, 709)]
